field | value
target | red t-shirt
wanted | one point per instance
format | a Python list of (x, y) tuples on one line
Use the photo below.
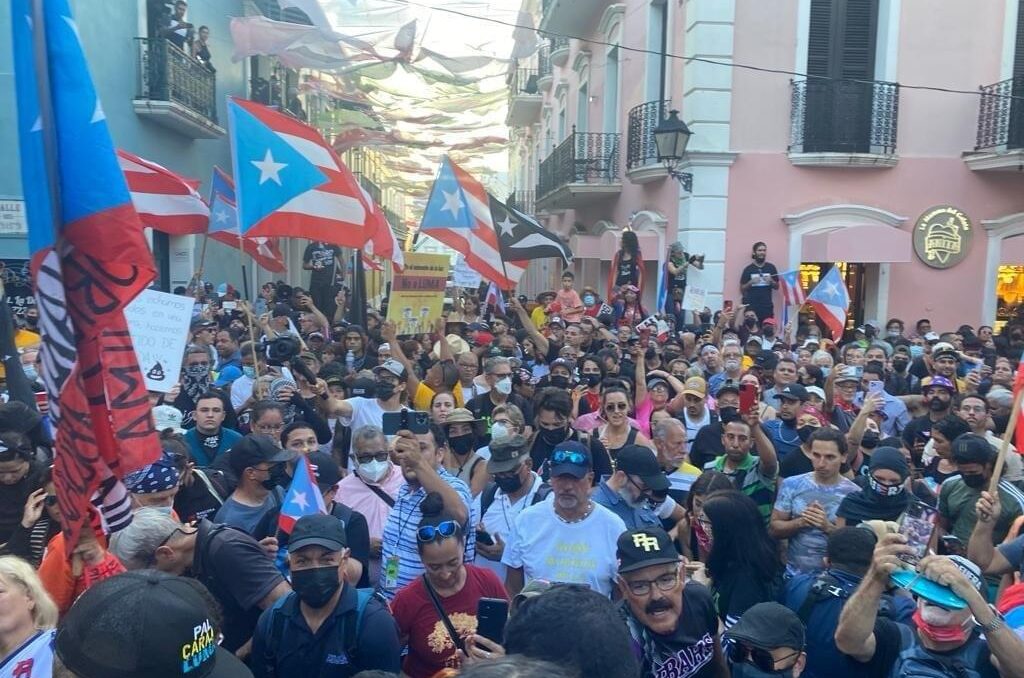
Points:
[(430, 648)]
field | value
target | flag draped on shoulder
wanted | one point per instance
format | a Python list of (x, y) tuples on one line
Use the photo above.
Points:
[(165, 201), (458, 214), (290, 182), (522, 238), (831, 301), (89, 260), (266, 252), (303, 497)]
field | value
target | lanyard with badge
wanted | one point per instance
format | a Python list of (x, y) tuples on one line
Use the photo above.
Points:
[(391, 566)]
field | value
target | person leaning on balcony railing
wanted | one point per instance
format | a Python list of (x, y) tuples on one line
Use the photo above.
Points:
[(178, 31), (201, 49)]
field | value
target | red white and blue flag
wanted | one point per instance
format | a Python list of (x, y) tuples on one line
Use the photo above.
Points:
[(303, 497), (290, 182), (495, 299), (1018, 384), (266, 252), (89, 260), (831, 301), (165, 201), (792, 291), (458, 214)]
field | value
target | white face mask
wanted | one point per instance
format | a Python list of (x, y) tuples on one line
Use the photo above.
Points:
[(164, 510), (499, 431), (373, 471), (504, 386)]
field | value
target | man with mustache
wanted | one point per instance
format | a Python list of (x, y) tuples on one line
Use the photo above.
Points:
[(672, 622)]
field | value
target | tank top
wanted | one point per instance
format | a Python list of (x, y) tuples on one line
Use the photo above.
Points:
[(626, 273), (613, 452), (465, 472)]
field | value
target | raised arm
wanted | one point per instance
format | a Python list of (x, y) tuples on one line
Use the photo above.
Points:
[(762, 445), (640, 375), (531, 329), (389, 334)]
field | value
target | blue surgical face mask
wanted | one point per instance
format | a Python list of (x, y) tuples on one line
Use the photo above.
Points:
[(588, 300), (30, 372), (249, 371), (825, 370), (916, 351)]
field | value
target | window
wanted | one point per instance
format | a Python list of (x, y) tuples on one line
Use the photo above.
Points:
[(582, 69), (563, 131), (657, 15), (611, 91)]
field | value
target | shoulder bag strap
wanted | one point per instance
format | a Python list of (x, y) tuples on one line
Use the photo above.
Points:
[(387, 498), (452, 633)]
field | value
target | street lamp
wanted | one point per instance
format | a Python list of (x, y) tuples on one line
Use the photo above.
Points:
[(671, 138)]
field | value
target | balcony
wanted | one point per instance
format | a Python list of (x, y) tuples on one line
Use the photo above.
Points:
[(1000, 146), (522, 201), (559, 51), (566, 16), (642, 164), (843, 123), (581, 170), (175, 91), (524, 98), (545, 76)]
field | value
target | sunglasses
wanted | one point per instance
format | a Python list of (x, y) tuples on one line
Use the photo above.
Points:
[(762, 659), (443, 530), (372, 456), (616, 407), (567, 457)]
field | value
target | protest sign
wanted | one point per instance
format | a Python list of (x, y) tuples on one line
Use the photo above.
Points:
[(417, 293), (695, 298), (463, 275), (159, 323)]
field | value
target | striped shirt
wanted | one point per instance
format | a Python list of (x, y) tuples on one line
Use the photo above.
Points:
[(751, 481), (400, 532)]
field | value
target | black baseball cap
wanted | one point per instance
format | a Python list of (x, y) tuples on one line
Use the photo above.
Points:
[(728, 386), (970, 448), (573, 459), (318, 530), (144, 624), (767, 626), (643, 547), (363, 387), (257, 448), (636, 460), (792, 392), (324, 468)]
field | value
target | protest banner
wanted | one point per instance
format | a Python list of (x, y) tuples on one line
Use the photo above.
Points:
[(417, 293), (695, 298), (158, 323), (464, 276)]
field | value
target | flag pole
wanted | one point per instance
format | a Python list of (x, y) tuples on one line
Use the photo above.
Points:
[(1004, 447), (198, 274), (252, 330)]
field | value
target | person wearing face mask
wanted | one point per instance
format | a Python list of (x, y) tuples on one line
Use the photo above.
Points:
[(259, 465), (514, 487), (672, 622), (707, 445), (899, 381), (592, 302), (389, 382), (551, 423), (782, 430), (210, 438), (767, 642), (885, 494), (155, 485), (975, 459), (938, 396), (195, 381), (498, 373), (324, 617), (637, 492), (371, 490), (461, 459), (942, 641), (587, 397), (808, 420)]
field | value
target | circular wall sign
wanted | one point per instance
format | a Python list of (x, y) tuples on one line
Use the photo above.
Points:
[(942, 236)]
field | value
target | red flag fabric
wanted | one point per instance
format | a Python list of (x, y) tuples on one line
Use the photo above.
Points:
[(1018, 384), (266, 252), (165, 201)]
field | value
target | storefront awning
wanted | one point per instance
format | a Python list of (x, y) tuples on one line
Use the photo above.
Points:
[(859, 244)]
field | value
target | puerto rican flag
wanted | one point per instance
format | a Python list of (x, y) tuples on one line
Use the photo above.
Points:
[(289, 181), (266, 252), (165, 201), (792, 291), (1018, 384), (303, 498), (831, 301), (458, 214)]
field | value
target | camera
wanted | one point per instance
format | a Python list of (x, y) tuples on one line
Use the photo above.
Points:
[(281, 351)]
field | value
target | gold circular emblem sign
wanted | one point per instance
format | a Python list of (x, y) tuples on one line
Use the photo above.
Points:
[(942, 236)]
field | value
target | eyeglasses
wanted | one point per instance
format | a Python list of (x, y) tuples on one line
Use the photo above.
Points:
[(269, 428), (762, 659), (567, 457), (371, 456), (642, 587), (192, 529), (443, 530), (616, 407)]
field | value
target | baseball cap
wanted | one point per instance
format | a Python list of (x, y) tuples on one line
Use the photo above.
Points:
[(555, 320), (768, 321), (144, 624), (391, 366), (643, 547), (168, 417), (257, 448), (200, 323), (944, 350), (941, 382), (324, 468), (792, 392), (318, 529), (479, 326), (657, 381), (315, 335), (281, 310), (695, 386), (767, 626), (810, 341), (639, 461), (970, 448), (570, 458), (931, 336), (815, 390), (728, 386), (849, 373), (362, 387), (508, 454)]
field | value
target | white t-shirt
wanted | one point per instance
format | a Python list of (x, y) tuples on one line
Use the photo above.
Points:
[(693, 427), (548, 548), (365, 412), (34, 659), (501, 514), (241, 390)]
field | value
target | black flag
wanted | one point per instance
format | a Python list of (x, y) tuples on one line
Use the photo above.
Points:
[(521, 238)]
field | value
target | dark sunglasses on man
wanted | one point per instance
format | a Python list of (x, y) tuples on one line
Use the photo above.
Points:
[(762, 659)]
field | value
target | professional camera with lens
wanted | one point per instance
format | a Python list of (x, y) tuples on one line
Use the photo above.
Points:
[(281, 351)]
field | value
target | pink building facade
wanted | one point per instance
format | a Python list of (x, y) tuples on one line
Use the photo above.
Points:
[(835, 166)]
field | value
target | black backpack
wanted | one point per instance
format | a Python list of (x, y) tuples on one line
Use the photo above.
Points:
[(491, 491)]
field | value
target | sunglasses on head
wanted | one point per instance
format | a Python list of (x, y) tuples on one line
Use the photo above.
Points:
[(568, 457), (443, 530), (762, 659)]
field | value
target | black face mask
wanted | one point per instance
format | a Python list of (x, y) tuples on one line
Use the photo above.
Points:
[(975, 481), (937, 404), (316, 585), (768, 331), (384, 390), (869, 441), (670, 356), (552, 436), (750, 322), (560, 381), (805, 432), (728, 414), (461, 445), (900, 365), (277, 477), (507, 485), (592, 379)]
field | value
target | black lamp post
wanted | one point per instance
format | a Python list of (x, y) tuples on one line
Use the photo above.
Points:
[(671, 138)]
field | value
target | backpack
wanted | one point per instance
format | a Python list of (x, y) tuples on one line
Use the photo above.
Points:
[(916, 662), (491, 491), (352, 624), (825, 587)]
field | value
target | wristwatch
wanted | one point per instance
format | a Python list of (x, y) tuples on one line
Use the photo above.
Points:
[(998, 621)]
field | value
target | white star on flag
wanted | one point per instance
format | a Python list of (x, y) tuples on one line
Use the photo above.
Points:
[(831, 289), (507, 226), (268, 168), (220, 215), (300, 500), (452, 203)]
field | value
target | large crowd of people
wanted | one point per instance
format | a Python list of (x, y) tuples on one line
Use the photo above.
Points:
[(545, 490)]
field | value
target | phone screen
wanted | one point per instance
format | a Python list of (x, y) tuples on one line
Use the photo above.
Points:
[(748, 398), (875, 386), (727, 306), (917, 524)]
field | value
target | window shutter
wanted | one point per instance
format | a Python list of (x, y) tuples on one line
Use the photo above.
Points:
[(1018, 55), (859, 30), (819, 44)]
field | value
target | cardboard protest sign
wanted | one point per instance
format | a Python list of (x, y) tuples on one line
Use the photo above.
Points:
[(417, 293), (159, 323)]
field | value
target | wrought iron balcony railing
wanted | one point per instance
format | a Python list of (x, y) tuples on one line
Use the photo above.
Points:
[(544, 62), (1001, 115), (582, 158), (559, 42), (168, 74), (524, 81), (640, 147), (844, 116)]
